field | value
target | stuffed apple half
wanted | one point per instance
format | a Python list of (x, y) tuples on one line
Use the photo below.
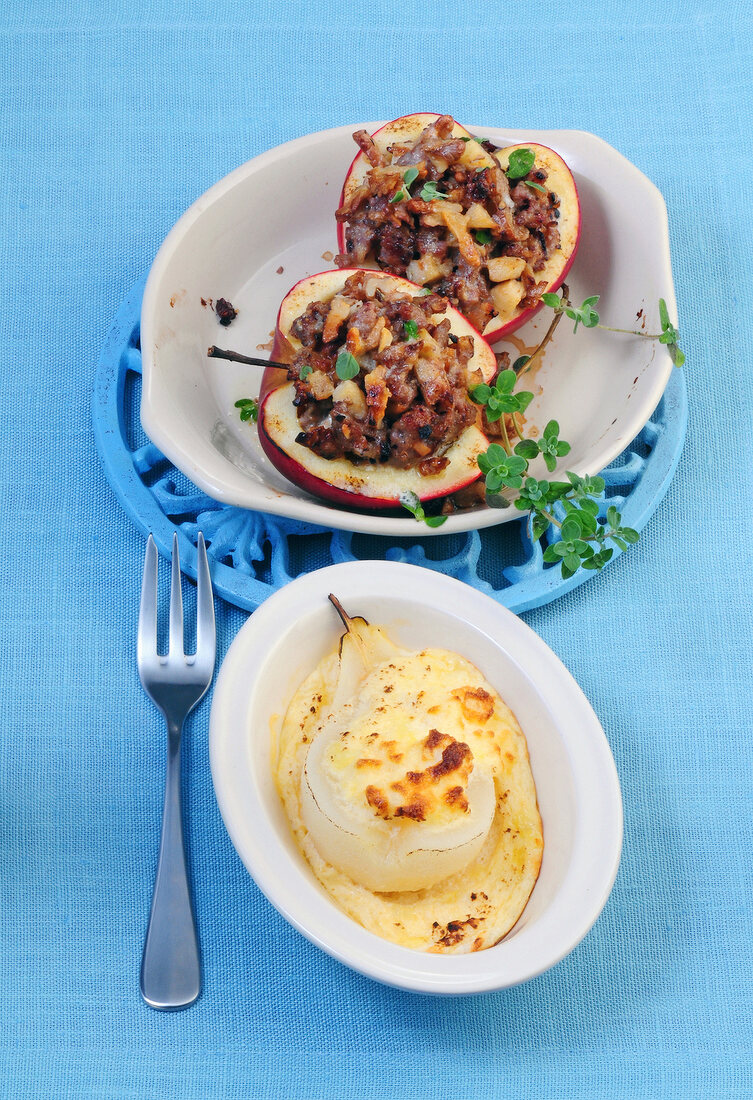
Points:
[(490, 229), (375, 401)]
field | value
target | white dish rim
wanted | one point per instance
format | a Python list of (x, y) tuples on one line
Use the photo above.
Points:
[(320, 513), (600, 825)]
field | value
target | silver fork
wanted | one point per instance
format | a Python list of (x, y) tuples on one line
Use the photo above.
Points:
[(170, 968)]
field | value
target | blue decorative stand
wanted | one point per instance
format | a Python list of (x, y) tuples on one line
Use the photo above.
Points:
[(255, 553)]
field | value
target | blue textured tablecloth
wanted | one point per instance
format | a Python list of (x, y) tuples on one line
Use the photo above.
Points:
[(115, 117)]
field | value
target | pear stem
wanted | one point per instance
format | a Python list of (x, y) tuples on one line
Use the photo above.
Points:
[(346, 619)]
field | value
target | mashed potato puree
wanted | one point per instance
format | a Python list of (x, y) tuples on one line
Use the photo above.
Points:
[(410, 749)]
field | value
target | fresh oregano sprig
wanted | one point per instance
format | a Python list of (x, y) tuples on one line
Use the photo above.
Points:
[(584, 315), (588, 316), (549, 446), (570, 506), (583, 539), (498, 398)]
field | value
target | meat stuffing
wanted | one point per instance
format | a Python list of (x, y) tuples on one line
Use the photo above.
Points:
[(448, 242), (409, 401)]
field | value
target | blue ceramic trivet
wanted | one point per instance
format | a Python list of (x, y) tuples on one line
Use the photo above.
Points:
[(255, 554)]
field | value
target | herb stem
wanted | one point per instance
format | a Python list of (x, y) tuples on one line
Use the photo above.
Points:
[(505, 436), (631, 332), (536, 354)]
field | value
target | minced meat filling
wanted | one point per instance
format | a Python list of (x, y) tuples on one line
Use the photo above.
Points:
[(409, 401), (464, 245)]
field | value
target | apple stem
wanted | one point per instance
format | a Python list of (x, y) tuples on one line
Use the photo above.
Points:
[(237, 357)]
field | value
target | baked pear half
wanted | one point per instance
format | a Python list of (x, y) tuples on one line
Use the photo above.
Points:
[(391, 812)]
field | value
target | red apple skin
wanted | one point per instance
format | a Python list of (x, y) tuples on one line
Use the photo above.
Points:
[(410, 127), (560, 180), (325, 285), (464, 471)]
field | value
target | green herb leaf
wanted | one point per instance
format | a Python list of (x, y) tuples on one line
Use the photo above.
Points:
[(678, 356), (520, 163), (570, 529), (410, 176), (663, 315), (539, 525), (501, 469), (483, 236), (527, 448), (505, 381), (554, 301), (410, 501), (399, 196), (411, 329), (305, 371), (570, 566), (535, 186), (249, 408), (480, 394), (670, 336), (520, 362), (585, 314), (429, 192), (346, 366)]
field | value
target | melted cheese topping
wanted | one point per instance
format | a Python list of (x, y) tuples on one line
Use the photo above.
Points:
[(394, 757), (424, 724)]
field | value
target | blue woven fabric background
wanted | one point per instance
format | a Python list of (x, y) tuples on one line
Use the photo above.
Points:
[(115, 117)]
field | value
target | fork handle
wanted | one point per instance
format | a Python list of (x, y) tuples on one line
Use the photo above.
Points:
[(170, 969)]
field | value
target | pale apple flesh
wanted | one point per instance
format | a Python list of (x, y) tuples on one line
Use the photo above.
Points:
[(369, 486), (512, 307)]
